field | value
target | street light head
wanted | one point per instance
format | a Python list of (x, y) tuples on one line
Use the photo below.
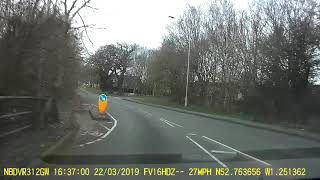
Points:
[(171, 17)]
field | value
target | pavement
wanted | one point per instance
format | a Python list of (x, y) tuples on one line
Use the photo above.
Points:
[(140, 136), (23, 148)]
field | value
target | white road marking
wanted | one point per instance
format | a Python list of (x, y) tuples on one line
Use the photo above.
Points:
[(114, 125), (206, 151), (223, 152), (244, 154), (163, 120), (192, 134), (104, 126), (173, 123), (95, 133), (107, 133)]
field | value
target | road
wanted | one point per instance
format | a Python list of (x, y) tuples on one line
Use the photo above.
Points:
[(145, 136)]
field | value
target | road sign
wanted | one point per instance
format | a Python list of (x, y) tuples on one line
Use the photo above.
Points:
[(103, 103)]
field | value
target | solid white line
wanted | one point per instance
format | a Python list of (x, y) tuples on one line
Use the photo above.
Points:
[(163, 120), (206, 151), (114, 125), (244, 154)]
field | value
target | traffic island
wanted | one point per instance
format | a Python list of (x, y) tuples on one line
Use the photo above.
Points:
[(96, 115)]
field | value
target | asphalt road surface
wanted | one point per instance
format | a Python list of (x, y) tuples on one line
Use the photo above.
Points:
[(140, 136)]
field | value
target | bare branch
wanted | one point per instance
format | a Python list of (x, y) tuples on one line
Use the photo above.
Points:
[(72, 6), (84, 26), (65, 8), (81, 7), (85, 29)]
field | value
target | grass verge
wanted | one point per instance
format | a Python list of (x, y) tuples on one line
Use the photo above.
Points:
[(165, 101)]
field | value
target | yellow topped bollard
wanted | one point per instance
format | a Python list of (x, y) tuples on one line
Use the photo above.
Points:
[(103, 103)]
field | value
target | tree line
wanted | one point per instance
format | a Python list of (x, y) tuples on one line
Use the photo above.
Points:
[(262, 60), (40, 49)]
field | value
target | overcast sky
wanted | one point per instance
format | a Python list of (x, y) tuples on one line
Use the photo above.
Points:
[(135, 21)]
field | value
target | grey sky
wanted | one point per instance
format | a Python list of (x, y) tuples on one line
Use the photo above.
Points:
[(135, 21)]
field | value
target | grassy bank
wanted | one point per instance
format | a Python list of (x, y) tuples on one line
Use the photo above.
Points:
[(165, 101)]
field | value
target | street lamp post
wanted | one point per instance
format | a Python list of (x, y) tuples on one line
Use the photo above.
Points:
[(188, 67)]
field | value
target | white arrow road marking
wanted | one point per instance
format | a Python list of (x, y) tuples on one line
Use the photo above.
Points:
[(244, 154), (206, 151)]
